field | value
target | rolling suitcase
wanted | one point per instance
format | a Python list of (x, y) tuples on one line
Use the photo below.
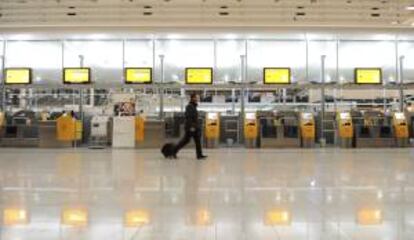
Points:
[(168, 150)]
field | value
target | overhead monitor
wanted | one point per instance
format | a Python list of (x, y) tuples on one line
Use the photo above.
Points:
[(368, 76), (76, 75), (199, 75), (18, 76), (276, 76), (138, 75)]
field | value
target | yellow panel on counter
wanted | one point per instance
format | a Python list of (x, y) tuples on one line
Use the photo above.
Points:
[(346, 127), (18, 76), (199, 76), (400, 125), (251, 128), (68, 129), (307, 126), (139, 129), (212, 126)]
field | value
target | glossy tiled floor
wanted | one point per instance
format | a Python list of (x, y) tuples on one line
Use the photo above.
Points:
[(238, 194)]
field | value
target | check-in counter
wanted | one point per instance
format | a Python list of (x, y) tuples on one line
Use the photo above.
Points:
[(230, 129), (251, 130), (345, 128), (149, 133), (48, 136), (401, 132), (307, 129), (280, 130), (375, 131), (212, 129), (22, 132), (123, 132)]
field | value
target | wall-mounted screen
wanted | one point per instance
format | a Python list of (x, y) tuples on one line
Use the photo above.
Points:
[(18, 76), (138, 75), (76, 75), (199, 76), (276, 76), (368, 76)]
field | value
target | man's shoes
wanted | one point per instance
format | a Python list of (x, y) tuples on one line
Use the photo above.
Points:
[(202, 157)]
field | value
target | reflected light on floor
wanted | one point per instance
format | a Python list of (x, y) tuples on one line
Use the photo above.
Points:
[(15, 216), (277, 218), (136, 218), (369, 216), (75, 217), (203, 217)]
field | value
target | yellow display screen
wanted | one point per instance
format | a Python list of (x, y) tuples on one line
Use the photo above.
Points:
[(18, 76), (76, 75), (276, 76), (138, 75), (368, 76), (199, 76)]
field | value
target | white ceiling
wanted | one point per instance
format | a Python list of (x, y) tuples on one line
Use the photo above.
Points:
[(206, 13)]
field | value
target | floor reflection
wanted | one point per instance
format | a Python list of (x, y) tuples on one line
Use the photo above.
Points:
[(235, 194)]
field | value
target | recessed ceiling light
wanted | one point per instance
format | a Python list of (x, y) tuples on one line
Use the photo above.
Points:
[(410, 8)]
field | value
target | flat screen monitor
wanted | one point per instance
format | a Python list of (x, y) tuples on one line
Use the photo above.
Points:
[(18, 76), (345, 115), (212, 116), (307, 116), (199, 75), (138, 75), (76, 75), (368, 76), (276, 76), (399, 116), (250, 116)]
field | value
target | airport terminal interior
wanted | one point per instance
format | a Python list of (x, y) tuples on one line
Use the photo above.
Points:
[(305, 111)]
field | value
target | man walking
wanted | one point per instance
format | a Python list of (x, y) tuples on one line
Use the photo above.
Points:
[(192, 129)]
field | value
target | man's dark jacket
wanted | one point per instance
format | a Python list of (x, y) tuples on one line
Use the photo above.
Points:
[(191, 117)]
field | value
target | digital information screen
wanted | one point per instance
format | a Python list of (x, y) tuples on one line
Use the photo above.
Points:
[(368, 76), (18, 76), (138, 75), (276, 76), (76, 75), (199, 76)]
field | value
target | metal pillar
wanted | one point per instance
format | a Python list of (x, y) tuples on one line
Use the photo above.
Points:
[(3, 90), (81, 115), (161, 88), (242, 103), (401, 83), (322, 137)]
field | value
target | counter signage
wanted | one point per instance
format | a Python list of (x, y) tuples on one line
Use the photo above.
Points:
[(18, 76), (76, 75), (138, 75), (368, 76), (199, 76), (276, 76)]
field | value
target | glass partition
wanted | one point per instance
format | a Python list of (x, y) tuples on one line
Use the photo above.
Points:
[(269, 53), (406, 49), (316, 49), (228, 60), (367, 54), (44, 57), (181, 54), (103, 57)]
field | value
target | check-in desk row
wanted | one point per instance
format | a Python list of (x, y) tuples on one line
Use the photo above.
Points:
[(372, 130)]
